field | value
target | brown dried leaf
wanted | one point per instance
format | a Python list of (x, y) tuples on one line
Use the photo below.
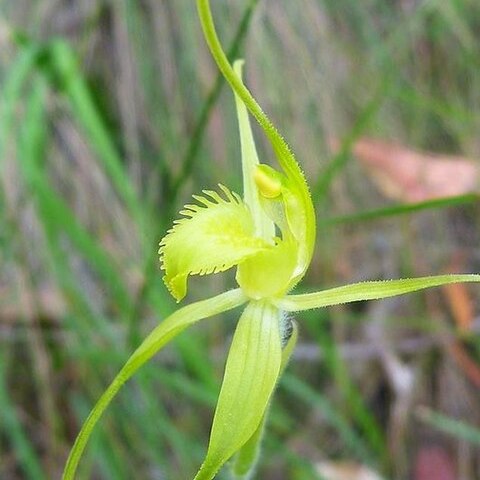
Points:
[(459, 298), (465, 362), (410, 176)]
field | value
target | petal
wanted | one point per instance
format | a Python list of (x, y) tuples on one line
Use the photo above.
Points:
[(252, 370), (268, 274), (368, 291), (264, 227), (246, 458), (169, 328), (216, 234), (282, 201)]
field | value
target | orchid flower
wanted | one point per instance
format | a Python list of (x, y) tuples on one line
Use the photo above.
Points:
[(269, 236)]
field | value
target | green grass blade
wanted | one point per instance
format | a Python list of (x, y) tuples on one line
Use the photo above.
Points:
[(11, 92), (65, 67), (307, 394), (54, 209), (406, 209), (13, 430), (455, 428), (353, 403)]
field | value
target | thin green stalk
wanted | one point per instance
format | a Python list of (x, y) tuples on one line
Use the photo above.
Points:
[(106, 446), (212, 97), (278, 142)]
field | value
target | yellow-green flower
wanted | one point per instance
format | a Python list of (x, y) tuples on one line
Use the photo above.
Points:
[(269, 236)]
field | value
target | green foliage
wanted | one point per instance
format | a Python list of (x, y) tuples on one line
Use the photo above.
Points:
[(366, 65), (219, 233)]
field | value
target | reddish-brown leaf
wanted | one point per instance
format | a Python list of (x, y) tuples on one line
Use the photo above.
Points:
[(459, 298), (410, 176)]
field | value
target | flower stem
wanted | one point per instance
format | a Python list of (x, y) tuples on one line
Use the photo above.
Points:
[(206, 19)]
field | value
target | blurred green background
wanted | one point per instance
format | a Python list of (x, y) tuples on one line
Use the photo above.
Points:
[(112, 114)]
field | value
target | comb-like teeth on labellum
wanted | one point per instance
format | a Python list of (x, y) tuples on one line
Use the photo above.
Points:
[(215, 235)]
